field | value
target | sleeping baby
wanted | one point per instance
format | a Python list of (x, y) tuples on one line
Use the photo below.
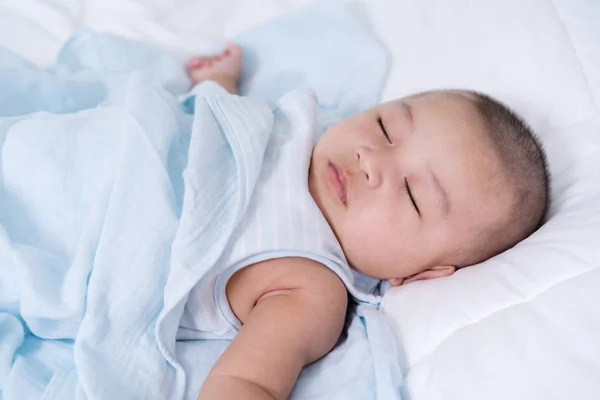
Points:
[(410, 190)]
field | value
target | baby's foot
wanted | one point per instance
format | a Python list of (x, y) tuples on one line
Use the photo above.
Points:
[(224, 68)]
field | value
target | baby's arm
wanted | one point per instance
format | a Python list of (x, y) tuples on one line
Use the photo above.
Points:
[(293, 311)]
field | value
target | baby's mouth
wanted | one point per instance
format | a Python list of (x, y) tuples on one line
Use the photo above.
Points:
[(337, 182)]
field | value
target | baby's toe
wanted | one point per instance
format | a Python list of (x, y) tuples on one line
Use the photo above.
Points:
[(197, 62), (234, 49)]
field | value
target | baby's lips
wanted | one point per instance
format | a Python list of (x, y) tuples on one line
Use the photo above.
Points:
[(338, 181), (344, 181)]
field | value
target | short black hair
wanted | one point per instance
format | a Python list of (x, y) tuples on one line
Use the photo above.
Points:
[(525, 168)]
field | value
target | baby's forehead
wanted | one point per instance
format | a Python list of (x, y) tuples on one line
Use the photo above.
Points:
[(451, 119), (441, 96), (455, 110), (443, 103)]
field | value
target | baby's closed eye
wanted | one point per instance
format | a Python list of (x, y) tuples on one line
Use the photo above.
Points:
[(383, 130)]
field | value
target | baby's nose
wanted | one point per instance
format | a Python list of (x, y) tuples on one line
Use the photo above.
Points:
[(368, 163)]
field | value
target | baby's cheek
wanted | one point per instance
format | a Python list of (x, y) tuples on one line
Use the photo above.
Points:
[(380, 237), (372, 255), (365, 238)]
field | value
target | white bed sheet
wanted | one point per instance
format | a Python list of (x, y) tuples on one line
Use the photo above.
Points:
[(524, 325)]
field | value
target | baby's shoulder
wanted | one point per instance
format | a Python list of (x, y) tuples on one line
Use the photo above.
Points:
[(280, 275)]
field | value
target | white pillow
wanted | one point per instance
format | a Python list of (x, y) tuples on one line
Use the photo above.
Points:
[(525, 324), (184, 26), (36, 29)]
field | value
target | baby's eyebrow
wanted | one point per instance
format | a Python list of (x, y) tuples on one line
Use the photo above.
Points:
[(442, 193), (409, 115)]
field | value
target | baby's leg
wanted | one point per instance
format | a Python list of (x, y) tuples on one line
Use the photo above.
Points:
[(224, 68)]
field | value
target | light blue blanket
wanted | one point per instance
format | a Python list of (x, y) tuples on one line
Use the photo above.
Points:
[(115, 201)]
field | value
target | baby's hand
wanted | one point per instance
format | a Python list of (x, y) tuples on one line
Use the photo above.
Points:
[(224, 68)]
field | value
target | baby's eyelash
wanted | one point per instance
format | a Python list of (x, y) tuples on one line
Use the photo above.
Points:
[(412, 199), (380, 122)]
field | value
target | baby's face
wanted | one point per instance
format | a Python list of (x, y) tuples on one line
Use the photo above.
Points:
[(405, 185)]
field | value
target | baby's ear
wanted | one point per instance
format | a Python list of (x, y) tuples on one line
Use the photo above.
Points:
[(432, 273), (396, 281)]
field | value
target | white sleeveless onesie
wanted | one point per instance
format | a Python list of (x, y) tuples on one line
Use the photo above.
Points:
[(282, 220)]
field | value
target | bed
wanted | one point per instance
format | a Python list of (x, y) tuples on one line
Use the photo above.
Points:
[(524, 325)]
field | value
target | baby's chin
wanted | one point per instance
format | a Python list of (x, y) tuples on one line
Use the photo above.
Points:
[(364, 266), (317, 192), (313, 186)]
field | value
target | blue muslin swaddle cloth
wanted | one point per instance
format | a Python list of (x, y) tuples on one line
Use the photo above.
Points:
[(110, 191)]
